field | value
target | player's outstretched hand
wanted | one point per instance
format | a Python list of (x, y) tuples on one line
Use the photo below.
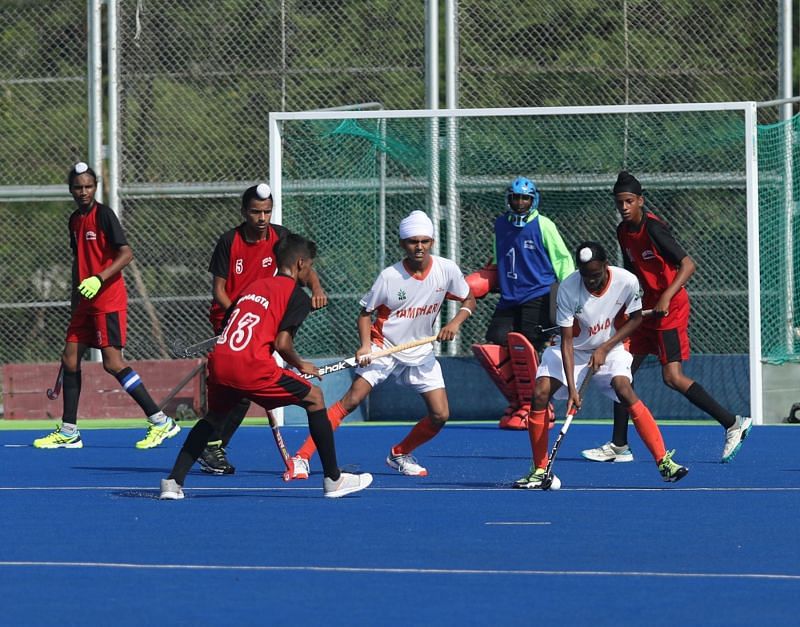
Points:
[(89, 287), (319, 299)]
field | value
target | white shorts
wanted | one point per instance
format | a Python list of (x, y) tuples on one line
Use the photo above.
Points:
[(424, 377), (618, 364)]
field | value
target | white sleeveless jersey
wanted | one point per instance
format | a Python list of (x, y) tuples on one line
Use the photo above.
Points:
[(594, 318), (407, 307)]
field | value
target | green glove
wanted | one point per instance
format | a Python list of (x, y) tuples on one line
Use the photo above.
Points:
[(89, 287)]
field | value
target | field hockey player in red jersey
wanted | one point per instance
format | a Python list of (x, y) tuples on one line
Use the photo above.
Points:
[(242, 255), (403, 305), (99, 307), (650, 250), (262, 320)]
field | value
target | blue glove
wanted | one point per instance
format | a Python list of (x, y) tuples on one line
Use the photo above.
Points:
[(89, 287)]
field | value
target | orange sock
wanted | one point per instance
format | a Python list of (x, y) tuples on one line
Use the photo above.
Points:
[(423, 431), (537, 432), (336, 414), (648, 430)]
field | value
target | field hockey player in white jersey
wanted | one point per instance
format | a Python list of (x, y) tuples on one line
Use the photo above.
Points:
[(403, 305), (598, 307)]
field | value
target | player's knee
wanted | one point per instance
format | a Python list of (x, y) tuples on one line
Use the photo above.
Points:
[(438, 418), (672, 380), (314, 400)]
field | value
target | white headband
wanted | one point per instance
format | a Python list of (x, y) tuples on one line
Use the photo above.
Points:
[(80, 167), (416, 223), (263, 191), (585, 255)]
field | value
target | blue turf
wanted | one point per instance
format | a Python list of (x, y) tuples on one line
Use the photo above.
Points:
[(611, 529)]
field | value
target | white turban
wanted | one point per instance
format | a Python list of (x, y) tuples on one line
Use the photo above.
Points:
[(416, 223)]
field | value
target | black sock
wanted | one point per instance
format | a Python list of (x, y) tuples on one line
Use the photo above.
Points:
[(133, 385), (322, 434), (620, 435), (71, 389), (232, 421), (698, 396), (195, 443)]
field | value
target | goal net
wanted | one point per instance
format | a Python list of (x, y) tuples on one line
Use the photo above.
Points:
[(346, 179)]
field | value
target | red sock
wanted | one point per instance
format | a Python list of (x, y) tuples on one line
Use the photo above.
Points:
[(537, 432), (423, 431), (648, 430), (336, 414)]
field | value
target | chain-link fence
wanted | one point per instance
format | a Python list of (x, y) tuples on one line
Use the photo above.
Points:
[(197, 80)]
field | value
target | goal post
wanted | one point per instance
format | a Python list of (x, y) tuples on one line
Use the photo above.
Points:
[(698, 163)]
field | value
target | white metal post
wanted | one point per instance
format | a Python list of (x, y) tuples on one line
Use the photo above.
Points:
[(95, 95), (452, 199), (113, 108), (432, 102), (753, 264)]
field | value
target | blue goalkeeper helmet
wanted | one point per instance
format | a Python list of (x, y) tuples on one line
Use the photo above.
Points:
[(522, 186)]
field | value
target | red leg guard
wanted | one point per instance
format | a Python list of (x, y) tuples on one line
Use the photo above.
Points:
[(495, 361), (524, 363)]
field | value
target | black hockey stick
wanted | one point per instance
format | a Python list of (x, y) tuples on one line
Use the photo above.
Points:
[(53, 392), (548, 471)]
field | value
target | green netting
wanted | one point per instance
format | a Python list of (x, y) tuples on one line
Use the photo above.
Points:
[(778, 189), (336, 173)]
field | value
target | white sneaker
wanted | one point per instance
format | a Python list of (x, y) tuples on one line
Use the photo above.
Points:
[(299, 469), (609, 452), (406, 465), (347, 483), (171, 490), (734, 437)]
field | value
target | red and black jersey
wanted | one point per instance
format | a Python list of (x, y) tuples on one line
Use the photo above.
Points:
[(240, 263), (95, 238), (242, 357), (652, 253)]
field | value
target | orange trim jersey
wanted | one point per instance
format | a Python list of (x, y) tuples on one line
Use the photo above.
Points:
[(95, 238), (242, 357), (240, 263), (594, 318), (407, 307)]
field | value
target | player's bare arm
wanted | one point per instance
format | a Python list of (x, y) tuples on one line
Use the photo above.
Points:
[(219, 294), (284, 345), (685, 271), (319, 298), (364, 335), (568, 358), (449, 331), (600, 354)]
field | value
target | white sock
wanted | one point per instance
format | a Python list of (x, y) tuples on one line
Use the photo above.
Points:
[(69, 429), (158, 419)]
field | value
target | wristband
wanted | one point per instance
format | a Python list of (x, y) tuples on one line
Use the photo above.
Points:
[(467, 309)]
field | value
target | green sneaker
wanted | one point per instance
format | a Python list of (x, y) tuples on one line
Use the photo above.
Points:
[(670, 470), (156, 434), (59, 440), (533, 479)]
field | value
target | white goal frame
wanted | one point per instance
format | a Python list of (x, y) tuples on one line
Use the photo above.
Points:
[(450, 117)]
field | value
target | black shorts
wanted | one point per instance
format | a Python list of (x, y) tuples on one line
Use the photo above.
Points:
[(530, 319)]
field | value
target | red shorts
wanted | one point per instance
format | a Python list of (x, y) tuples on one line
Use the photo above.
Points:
[(669, 344), (289, 389), (98, 330)]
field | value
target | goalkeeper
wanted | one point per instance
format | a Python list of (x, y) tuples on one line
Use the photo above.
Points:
[(530, 258)]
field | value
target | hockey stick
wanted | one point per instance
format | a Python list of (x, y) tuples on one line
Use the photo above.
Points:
[(182, 351), (548, 471), (351, 362), (53, 392), (276, 433), (646, 313)]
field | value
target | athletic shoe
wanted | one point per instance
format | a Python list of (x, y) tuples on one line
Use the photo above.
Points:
[(347, 483), (171, 490), (533, 479), (406, 465), (734, 437), (609, 452), (670, 470), (156, 434), (299, 469), (214, 461), (57, 439), (517, 419)]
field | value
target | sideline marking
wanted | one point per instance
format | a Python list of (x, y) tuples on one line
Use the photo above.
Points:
[(530, 522), (403, 571), (502, 488), (17, 445)]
